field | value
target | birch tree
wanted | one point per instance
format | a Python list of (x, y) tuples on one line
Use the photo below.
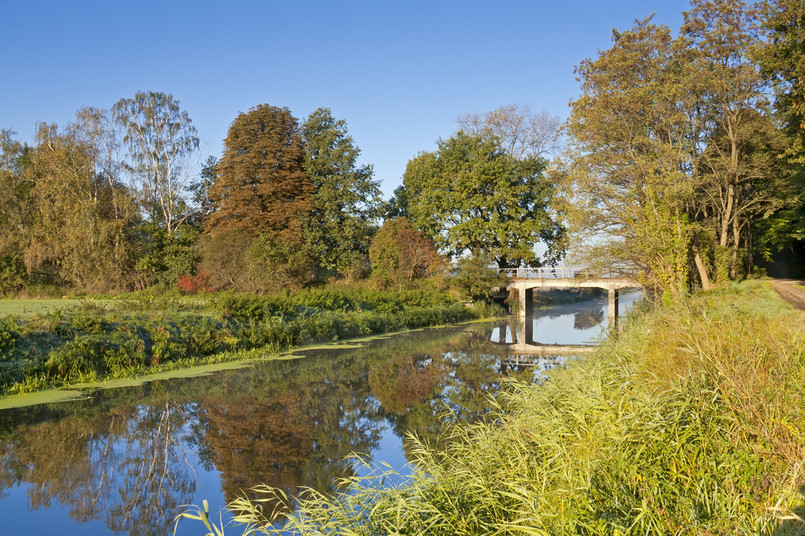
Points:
[(162, 149)]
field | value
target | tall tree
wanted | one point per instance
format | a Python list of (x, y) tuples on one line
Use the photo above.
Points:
[(738, 166), (16, 210), (627, 189), (163, 148), (521, 131), (261, 186), (673, 149), (783, 64), (79, 237), (470, 195), (346, 196)]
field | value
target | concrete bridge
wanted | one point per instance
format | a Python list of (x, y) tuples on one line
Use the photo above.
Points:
[(525, 280)]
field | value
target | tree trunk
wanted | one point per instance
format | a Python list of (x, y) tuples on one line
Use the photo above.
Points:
[(702, 269)]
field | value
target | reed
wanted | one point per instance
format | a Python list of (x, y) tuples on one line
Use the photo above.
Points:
[(690, 422)]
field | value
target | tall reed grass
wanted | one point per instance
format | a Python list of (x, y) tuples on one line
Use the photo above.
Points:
[(690, 422)]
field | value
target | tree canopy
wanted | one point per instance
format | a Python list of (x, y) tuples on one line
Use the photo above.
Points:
[(346, 197), (673, 150), (470, 195), (260, 185)]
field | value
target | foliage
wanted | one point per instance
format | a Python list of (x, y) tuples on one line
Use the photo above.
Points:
[(146, 332), (194, 284), (470, 195), (400, 254), (346, 197), (397, 206), (476, 277), (689, 422), (674, 150), (16, 212), (161, 139), (81, 233), (260, 185), (780, 58)]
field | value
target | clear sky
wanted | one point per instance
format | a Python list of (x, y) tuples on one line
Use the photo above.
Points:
[(399, 73)]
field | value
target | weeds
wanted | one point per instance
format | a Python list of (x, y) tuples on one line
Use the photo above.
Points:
[(146, 332), (691, 422)]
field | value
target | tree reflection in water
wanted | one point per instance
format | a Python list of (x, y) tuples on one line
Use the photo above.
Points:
[(128, 457)]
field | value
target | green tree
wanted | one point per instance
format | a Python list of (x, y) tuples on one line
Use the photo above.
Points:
[(79, 237), (738, 164), (261, 186), (470, 195), (400, 254), (783, 65), (347, 198), (627, 190), (475, 279), (200, 191), (673, 150), (162, 144), (16, 210), (397, 206)]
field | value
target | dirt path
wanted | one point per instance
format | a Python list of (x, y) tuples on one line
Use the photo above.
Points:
[(791, 290)]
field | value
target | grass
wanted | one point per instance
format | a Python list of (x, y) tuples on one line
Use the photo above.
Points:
[(145, 334), (691, 422), (37, 306)]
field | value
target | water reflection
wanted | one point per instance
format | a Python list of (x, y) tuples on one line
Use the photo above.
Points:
[(127, 459)]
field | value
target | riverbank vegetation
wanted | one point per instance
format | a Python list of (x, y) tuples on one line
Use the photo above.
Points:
[(145, 333), (690, 422)]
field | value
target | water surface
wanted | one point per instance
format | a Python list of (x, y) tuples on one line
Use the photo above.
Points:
[(126, 460)]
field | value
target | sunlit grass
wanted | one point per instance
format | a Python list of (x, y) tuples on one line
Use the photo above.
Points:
[(691, 422)]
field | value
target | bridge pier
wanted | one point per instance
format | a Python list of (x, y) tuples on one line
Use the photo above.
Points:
[(612, 308), (525, 297)]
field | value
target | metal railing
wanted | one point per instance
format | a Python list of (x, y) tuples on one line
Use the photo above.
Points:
[(538, 273)]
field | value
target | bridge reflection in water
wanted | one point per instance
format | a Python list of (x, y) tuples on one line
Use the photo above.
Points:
[(516, 334)]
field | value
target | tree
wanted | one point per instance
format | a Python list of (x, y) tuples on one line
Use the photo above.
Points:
[(738, 164), (397, 206), (522, 132), (261, 186), (470, 195), (672, 150), (627, 191), (80, 235), (347, 198), (16, 210), (783, 65), (200, 191), (162, 144), (400, 254)]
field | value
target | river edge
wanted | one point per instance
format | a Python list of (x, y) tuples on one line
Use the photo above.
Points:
[(629, 440), (217, 363)]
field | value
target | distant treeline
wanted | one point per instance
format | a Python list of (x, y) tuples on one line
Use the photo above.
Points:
[(679, 169)]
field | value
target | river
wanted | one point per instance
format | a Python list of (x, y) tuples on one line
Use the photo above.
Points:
[(125, 461)]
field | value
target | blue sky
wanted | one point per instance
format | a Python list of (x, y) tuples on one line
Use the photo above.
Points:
[(399, 73)]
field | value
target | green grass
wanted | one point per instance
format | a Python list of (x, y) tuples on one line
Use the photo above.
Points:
[(39, 306), (690, 422), (96, 340)]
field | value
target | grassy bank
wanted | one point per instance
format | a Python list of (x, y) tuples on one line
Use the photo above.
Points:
[(144, 334), (691, 422)]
